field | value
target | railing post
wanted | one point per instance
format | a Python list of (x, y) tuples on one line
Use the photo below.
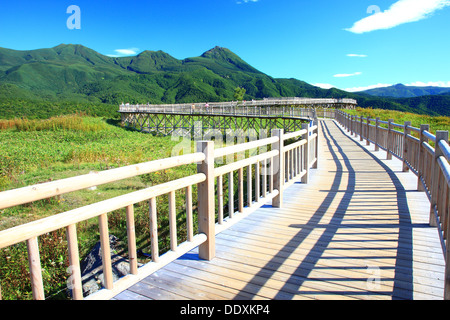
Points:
[(389, 140), (406, 131), (361, 138), (377, 124), (316, 147), (74, 262), (278, 168), (35, 269), (351, 125), (206, 216), (305, 177), (106, 251), (423, 127), (368, 131), (440, 135)]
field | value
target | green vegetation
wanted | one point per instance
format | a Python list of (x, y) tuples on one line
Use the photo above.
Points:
[(435, 122), (35, 151), (239, 94)]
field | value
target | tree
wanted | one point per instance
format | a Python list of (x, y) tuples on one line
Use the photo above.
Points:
[(239, 93)]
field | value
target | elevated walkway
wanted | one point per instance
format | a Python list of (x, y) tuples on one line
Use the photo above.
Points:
[(358, 230)]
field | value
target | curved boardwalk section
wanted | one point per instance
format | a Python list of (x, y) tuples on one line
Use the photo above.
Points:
[(357, 230)]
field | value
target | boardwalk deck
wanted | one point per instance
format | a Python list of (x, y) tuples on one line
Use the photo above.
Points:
[(357, 230)]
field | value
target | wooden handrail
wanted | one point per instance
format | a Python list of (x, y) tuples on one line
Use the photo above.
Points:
[(243, 147), (36, 192), (37, 228)]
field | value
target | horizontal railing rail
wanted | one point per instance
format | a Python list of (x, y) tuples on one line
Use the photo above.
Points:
[(430, 164), (235, 111), (271, 165)]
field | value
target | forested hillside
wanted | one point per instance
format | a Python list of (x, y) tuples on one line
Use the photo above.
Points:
[(72, 78)]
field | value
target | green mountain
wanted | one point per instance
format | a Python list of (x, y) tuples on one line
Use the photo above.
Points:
[(70, 78), (402, 91)]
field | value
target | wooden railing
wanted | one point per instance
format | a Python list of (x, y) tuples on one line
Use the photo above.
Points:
[(423, 153), (252, 109), (275, 166)]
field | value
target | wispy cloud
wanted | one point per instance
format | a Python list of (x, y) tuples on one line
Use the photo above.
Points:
[(324, 85), (402, 11), (124, 52), (445, 84), (356, 55), (246, 1), (343, 75), (374, 86)]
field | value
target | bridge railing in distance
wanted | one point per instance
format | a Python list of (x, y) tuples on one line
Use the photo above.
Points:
[(255, 111), (277, 162), (253, 107), (425, 154)]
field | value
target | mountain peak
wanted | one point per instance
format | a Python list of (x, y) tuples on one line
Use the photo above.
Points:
[(217, 52), (226, 57)]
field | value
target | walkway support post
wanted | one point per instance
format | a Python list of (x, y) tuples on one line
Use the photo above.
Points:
[(390, 140), (377, 134), (278, 167), (34, 261), (316, 146), (420, 165), (305, 178), (206, 216), (361, 136), (406, 131), (368, 132)]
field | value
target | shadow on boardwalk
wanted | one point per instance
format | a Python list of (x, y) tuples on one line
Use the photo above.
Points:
[(307, 265)]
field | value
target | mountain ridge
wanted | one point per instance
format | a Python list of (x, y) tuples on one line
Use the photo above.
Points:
[(405, 91), (72, 74)]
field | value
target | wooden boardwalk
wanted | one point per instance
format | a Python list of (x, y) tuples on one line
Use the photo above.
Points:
[(357, 230)]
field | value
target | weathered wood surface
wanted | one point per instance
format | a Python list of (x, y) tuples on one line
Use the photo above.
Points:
[(357, 230)]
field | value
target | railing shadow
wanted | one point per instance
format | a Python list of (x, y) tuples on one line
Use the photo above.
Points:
[(403, 284), (306, 266)]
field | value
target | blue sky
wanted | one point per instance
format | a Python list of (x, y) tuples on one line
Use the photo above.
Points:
[(346, 44)]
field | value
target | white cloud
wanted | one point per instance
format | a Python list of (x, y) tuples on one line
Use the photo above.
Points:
[(246, 1), (356, 89), (343, 75), (356, 55), (324, 85), (445, 84), (124, 52), (402, 11)]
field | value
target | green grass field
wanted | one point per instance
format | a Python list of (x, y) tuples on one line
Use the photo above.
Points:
[(36, 151), (435, 122)]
